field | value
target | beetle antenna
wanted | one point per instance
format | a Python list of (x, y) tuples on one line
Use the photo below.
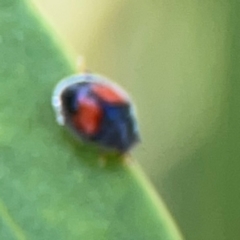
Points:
[(81, 65)]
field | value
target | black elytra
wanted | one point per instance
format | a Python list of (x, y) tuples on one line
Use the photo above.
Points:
[(117, 127)]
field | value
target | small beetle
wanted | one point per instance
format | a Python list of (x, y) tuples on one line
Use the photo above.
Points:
[(96, 110)]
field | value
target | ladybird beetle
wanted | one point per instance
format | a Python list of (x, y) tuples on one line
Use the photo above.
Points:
[(96, 110)]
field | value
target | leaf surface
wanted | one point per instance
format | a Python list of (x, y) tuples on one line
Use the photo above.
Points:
[(51, 186)]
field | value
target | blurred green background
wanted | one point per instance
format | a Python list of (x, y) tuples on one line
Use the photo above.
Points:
[(179, 59)]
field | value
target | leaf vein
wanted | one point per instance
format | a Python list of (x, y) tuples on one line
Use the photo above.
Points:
[(10, 222)]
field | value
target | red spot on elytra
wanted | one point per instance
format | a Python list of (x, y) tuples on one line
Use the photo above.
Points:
[(88, 118), (108, 94)]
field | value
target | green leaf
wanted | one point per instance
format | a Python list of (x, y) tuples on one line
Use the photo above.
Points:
[(51, 186)]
